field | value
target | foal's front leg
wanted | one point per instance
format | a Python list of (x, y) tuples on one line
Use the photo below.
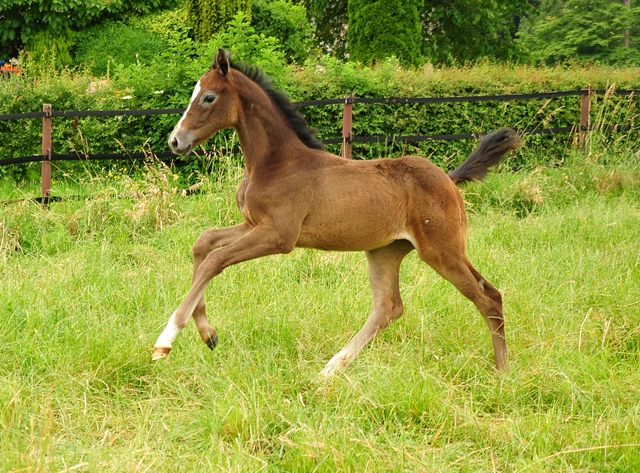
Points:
[(262, 240), (209, 241), (206, 243)]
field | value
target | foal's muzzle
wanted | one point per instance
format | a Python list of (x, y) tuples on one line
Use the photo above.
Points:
[(181, 142)]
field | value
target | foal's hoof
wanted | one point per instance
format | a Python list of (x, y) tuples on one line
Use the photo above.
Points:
[(212, 341), (336, 365), (160, 352)]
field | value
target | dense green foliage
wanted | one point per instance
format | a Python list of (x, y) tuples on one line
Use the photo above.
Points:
[(168, 84), (330, 19), (136, 39), (47, 45), (23, 19), (584, 30), (86, 287), (171, 25), (467, 30), (551, 31), (288, 23), (382, 29), (208, 17), (456, 32), (115, 44)]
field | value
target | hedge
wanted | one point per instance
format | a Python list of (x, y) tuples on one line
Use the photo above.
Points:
[(169, 85)]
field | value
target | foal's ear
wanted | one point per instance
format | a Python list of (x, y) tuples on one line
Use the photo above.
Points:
[(221, 62)]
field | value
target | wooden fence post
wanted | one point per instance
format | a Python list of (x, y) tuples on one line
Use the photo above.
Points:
[(46, 151), (585, 119), (347, 126)]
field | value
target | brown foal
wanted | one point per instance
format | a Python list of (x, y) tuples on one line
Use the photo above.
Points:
[(295, 194)]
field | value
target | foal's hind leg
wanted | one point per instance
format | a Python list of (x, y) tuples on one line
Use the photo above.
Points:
[(206, 243), (384, 266), (455, 267)]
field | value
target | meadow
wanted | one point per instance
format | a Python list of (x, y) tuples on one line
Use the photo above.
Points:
[(87, 285)]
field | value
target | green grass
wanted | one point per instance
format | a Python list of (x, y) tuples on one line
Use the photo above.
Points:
[(87, 286)]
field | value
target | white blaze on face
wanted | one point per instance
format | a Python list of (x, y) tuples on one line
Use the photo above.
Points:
[(195, 93)]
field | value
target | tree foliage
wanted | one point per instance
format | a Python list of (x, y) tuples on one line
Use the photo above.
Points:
[(287, 22), (207, 17), (584, 30), (466, 30), (452, 32), (330, 19), (171, 25), (46, 45), (114, 44), (384, 28), (22, 20)]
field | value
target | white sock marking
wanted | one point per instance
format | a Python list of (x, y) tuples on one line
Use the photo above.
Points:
[(169, 334), (340, 361)]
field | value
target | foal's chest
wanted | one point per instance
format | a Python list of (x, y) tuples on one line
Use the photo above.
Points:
[(241, 197)]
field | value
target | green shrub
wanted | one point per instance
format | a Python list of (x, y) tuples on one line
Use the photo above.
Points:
[(168, 82), (22, 20), (117, 44), (382, 29), (286, 22), (208, 17), (47, 45), (170, 25)]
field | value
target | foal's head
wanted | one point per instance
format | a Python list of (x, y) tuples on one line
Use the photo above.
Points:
[(214, 105)]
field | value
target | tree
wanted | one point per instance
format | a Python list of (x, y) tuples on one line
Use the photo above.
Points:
[(287, 22), (207, 17), (452, 32), (466, 30), (22, 20), (585, 30), (330, 19), (379, 29)]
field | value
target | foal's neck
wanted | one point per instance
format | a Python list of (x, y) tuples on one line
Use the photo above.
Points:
[(267, 140)]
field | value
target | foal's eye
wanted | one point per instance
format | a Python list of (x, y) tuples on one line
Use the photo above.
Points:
[(209, 99)]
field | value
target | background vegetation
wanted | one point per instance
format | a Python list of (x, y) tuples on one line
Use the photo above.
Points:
[(87, 285), (206, 17), (383, 29), (168, 84), (136, 57), (588, 30)]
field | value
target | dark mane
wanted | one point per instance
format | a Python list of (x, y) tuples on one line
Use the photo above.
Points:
[(281, 100)]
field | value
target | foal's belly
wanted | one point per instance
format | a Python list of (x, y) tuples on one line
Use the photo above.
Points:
[(354, 221)]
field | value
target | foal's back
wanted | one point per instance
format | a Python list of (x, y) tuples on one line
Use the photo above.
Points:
[(363, 205)]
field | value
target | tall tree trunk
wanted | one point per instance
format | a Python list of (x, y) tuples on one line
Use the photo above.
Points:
[(627, 3)]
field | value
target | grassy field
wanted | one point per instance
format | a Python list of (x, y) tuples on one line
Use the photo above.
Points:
[(87, 286)]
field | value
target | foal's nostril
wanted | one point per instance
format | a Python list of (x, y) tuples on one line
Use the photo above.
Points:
[(174, 142)]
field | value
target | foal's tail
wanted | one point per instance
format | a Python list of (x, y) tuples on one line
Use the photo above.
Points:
[(490, 151)]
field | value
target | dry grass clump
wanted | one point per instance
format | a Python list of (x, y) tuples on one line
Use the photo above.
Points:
[(615, 181), (155, 196), (9, 241)]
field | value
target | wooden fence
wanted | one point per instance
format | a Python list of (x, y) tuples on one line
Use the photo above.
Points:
[(346, 139)]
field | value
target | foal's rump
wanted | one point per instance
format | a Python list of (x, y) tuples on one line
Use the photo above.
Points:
[(363, 205)]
